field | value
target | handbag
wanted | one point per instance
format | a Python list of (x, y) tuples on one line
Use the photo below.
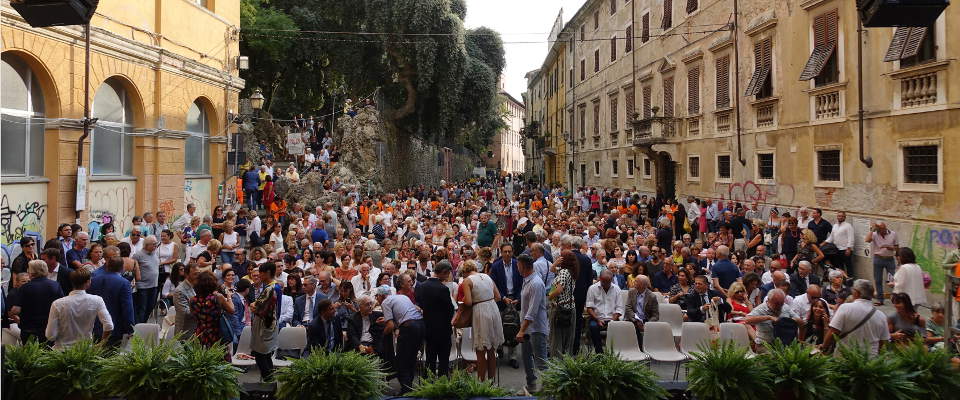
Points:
[(686, 225), (226, 327), (464, 317), (564, 317)]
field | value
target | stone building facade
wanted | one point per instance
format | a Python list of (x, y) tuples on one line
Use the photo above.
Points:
[(506, 147), (163, 78), (547, 88), (767, 112)]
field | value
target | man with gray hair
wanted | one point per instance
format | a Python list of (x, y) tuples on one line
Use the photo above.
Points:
[(194, 251), (305, 307), (145, 298), (135, 239), (399, 313), (858, 322), (802, 278), (770, 312), (79, 252)]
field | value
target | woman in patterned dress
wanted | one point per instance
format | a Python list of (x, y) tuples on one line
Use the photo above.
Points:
[(207, 306)]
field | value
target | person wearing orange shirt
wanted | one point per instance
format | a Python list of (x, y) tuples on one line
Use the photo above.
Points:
[(364, 212), (278, 208)]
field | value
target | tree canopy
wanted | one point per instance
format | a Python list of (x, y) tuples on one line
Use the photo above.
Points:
[(434, 78)]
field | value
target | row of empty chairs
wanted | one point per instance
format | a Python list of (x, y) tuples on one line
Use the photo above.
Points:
[(659, 344)]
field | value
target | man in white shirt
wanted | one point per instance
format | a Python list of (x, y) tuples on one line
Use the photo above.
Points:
[(194, 251), (364, 282), (801, 304), (803, 217), (72, 317), (184, 219), (842, 237), (286, 311), (604, 304), (858, 322), (693, 212), (135, 240), (254, 225)]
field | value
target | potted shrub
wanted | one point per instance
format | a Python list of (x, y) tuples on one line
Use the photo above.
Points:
[(866, 377), (799, 373), (724, 371), (334, 375), (599, 377), (203, 373), (936, 377), (458, 385), (71, 372), (21, 370), (142, 373)]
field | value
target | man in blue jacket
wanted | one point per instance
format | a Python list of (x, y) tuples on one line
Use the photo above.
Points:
[(115, 291), (251, 184), (506, 276)]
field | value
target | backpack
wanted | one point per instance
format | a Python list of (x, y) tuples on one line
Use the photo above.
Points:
[(510, 317)]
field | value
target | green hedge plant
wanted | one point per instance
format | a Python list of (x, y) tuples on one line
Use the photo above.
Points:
[(22, 370), (724, 372), (458, 385), (144, 372), (71, 372), (601, 376), (202, 373), (864, 377), (935, 378), (799, 373), (333, 375)]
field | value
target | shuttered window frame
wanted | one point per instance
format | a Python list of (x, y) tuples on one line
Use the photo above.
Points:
[(763, 65), (905, 43), (667, 21), (693, 90), (645, 28), (825, 35), (723, 82), (668, 100)]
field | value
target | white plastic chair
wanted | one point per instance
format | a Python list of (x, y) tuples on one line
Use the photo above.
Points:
[(622, 340), (454, 348), (671, 314), (150, 333), (467, 351), (662, 298), (659, 344), (736, 333), (290, 338), (11, 335), (243, 347), (695, 335)]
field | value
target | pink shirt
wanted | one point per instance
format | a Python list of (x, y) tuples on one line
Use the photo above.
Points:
[(878, 243)]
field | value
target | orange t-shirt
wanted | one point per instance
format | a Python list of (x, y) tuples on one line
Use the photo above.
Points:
[(536, 205), (435, 205), (634, 210), (364, 215)]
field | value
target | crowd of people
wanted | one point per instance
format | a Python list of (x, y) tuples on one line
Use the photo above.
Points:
[(504, 266)]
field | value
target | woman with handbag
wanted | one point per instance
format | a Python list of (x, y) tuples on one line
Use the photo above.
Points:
[(562, 307), (480, 296), (212, 310)]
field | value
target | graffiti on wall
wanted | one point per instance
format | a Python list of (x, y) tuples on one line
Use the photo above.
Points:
[(111, 202), (197, 192), (20, 219), (752, 192), (931, 245)]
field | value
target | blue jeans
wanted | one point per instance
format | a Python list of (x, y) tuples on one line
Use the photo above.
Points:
[(226, 257), (882, 266), (251, 198), (144, 300), (595, 337), (534, 349)]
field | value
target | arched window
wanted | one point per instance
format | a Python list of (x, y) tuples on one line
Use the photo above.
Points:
[(196, 153), (112, 147), (22, 119)]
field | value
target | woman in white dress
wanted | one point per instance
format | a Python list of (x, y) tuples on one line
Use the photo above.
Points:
[(480, 292), (909, 277)]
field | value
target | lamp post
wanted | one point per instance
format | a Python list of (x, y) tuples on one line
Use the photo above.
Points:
[(256, 103)]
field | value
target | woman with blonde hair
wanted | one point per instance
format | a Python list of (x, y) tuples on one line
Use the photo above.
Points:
[(808, 251), (480, 293)]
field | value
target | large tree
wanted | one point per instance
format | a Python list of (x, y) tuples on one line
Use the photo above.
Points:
[(436, 80)]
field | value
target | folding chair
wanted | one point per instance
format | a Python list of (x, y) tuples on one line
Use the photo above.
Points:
[(737, 333), (659, 344), (622, 340), (243, 347), (150, 333), (671, 313), (694, 335), (290, 338)]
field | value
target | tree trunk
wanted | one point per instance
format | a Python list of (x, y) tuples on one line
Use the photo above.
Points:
[(405, 76)]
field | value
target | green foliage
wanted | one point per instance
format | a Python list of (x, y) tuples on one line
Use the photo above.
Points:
[(70, 372), (799, 373), (865, 377), (724, 372), (202, 373), (458, 385), (935, 376), (599, 377), (342, 376), (144, 372), (485, 44), (21, 366)]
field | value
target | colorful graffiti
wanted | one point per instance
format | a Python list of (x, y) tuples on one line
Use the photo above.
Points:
[(112, 202), (168, 208), (197, 192), (24, 219), (752, 192), (931, 245)]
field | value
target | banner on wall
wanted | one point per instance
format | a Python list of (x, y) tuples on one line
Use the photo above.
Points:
[(295, 144), (81, 188)]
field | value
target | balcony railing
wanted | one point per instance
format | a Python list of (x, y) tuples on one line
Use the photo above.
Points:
[(693, 126), (827, 105), (766, 114), (919, 90), (653, 130), (614, 138), (596, 141), (722, 121)]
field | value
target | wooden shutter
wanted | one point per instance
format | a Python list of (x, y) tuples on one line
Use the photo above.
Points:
[(667, 21), (613, 49), (905, 43), (596, 60), (614, 113), (583, 121), (668, 97), (723, 82), (645, 28), (630, 104), (824, 44), (613, 7), (628, 47), (647, 100), (596, 118), (693, 91), (763, 62), (692, 6), (583, 68)]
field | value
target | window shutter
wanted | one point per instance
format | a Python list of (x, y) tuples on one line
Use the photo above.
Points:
[(825, 43), (762, 60), (691, 6), (614, 113), (630, 102), (912, 45), (647, 100), (583, 68), (613, 7), (693, 91), (723, 82), (667, 21), (596, 60), (895, 50), (645, 28), (668, 97), (628, 47), (596, 118), (613, 49)]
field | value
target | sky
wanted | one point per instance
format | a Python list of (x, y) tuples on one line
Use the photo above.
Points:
[(520, 21)]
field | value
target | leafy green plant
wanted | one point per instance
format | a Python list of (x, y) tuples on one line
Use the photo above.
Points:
[(865, 377), (935, 376), (22, 367), (724, 372), (144, 372), (458, 385), (599, 377), (71, 372), (798, 373), (203, 373), (334, 375)]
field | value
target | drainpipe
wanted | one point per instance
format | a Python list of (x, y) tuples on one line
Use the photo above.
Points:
[(86, 100), (866, 160), (736, 79)]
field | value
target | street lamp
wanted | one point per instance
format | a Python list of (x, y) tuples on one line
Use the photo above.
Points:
[(256, 100)]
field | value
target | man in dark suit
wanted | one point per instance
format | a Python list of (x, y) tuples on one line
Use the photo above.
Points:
[(504, 267), (706, 264), (59, 272), (305, 307), (583, 281), (324, 331), (364, 334), (699, 301), (30, 306), (642, 305), (434, 299), (802, 278), (116, 293)]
